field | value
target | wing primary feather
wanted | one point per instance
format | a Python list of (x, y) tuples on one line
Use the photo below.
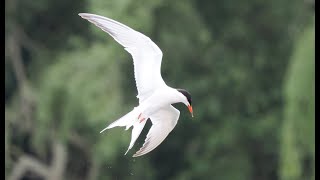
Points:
[(163, 122), (146, 55)]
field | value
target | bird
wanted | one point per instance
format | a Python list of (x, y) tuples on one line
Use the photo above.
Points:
[(155, 96)]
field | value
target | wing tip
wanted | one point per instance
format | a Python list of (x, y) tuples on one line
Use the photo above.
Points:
[(141, 153), (85, 15), (81, 14), (137, 155)]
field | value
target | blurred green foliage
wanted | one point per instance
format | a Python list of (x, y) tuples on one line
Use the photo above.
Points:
[(249, 66), (298, 136)]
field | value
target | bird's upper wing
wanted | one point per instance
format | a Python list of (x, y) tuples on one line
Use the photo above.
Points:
[(163, 123), (146, 54)]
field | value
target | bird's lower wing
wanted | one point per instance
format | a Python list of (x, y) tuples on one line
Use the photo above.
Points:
[(163, 123)]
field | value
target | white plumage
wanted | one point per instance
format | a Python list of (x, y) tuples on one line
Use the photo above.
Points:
[(155, 97)]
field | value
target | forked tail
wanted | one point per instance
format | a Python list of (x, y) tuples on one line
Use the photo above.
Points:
[(127, 120)]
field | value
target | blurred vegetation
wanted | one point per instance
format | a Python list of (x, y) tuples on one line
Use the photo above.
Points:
[(249, 66), (298, 135)]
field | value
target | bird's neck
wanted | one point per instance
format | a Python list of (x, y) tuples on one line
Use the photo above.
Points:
[(177, 97)]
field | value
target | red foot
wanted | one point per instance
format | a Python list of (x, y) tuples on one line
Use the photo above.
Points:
[(142, 120)]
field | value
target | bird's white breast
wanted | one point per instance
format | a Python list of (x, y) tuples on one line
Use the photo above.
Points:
[(160, 98)]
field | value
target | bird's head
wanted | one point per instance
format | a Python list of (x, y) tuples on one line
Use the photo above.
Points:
[(186, 99)]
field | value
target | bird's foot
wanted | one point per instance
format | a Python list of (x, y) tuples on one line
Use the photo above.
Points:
[(141, 119)]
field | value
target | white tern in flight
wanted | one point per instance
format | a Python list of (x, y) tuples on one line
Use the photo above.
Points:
[(155, 97)]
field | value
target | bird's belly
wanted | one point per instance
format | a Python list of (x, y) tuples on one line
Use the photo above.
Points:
[(155, 103), (150, 110)]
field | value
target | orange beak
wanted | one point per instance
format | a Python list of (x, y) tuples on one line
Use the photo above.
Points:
[(190, 109)]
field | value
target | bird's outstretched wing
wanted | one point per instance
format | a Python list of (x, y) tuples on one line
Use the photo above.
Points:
[(146, 54), (163, 123)]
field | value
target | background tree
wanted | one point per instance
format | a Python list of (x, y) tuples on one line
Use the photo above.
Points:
[(298, 134)]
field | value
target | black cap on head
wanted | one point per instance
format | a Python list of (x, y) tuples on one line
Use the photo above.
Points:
[(186, 94)]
